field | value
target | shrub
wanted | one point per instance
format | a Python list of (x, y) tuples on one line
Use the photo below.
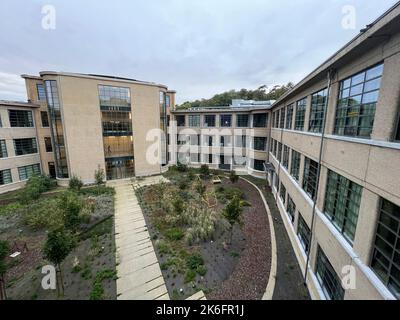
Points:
[(75, 183), (204, 171), (194, 261), (183, 184), (174, 234), (177, 204), (201, 270), (181, 167), (44, 214), (97, 190), (233, 176), (99, 176), (190, 275), (71, 205), (35, 186)]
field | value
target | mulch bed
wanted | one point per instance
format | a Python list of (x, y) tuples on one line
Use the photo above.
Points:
[(249, 278)]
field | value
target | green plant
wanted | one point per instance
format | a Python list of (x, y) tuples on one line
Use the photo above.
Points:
[(71, 205), (46, 213), (234, 254), (4, 251), (201, 188), (97, 292), (194, 261), (233, 176), (232, 213), (99, 176), (35, 186), (97, 190), (201, 270), (190, 275), (174, 234), (10, 208), (204, 171), (181, 167), (178, 205), (75, 183), (183, 184), (58, 245)]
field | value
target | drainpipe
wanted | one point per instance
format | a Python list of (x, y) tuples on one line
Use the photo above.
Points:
[(331, 73)]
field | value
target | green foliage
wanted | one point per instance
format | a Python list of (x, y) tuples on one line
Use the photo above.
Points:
[(163, 247), (194, 261), (71, 205), (190, 275), (202, 224), (201, 188), (4, 251), (10, 208), (225, 98), (233, 176), (75, 183), (44, 214), (99, 176), (58, 245), (97, 190), (181, 167), (178, 205), (174, 234), (97, 292), (35, 186), (204, 171), (183, 184), (201, 270), (233, 211)]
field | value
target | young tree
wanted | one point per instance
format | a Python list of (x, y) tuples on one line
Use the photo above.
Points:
[(233, 176), (204, 171), (99, 176), (4, 251), (58, 245), (232, 213), (75, 183), (71, 204)]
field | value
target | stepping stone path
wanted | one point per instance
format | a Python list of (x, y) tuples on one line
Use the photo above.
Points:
[(138, 270)]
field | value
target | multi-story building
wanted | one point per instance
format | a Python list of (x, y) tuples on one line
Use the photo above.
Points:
[(227, 138), (20, 148), (100, 122)]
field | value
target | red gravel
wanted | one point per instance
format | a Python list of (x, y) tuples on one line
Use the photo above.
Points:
[(250, 276)]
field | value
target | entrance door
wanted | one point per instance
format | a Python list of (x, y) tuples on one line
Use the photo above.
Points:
[(52, 170)]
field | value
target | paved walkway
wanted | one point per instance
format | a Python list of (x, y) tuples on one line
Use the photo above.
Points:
[(139, 274)]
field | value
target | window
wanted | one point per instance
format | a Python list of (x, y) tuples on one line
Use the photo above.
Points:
[(300, 114), (273, 119), (304, 234), (282, 193), (279, 152), (180, 120), (47, 143), (25, 146), (310, 177), (276, 181), (295, 165), (195, 157), (116, 98), (327, 277), (27, 171), (386, 254), (259, 120), (276, 119), (209, 140), (271, 146), (285, 157), (225, 120), (5, 176), (342, 202), (209, 120), (225, 141), (291, 208), (40, 92), (3, 149), (20, 118), (259, 143), (355, 110), (194, 120), (194, 139), (241, 141), (242, 120), (282, 121), (210, 158), (116, 123), (45, 119), (317, 111), (258, 165), (289, 116)]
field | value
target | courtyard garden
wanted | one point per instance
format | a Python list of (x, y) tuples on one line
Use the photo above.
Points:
[(210, 231), (70, 228)]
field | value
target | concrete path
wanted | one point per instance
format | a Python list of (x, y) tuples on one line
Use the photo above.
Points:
[(139, 274), (198, 296)]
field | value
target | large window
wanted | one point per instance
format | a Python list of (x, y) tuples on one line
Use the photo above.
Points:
[(318, 101), (27, 171), (242, 120), (285, 157), (282, 193), (114, 97), (5, 176), (209, 120), (300, 114), (259, 143), (276, 119), (45, 119), (342, 202), (279, 152), (194, 120), (386, 255), (295, 165), (304, 233), (226, 141), (289, 116), (258, 165), (259, 120), (291, 208), (20, 118), (25, 146), (3, 149), (116, 123), (225, 120), (41, 92), (327, 277), (48, 145), (180, 120), (356, 106), (282, 119), (310, 177)]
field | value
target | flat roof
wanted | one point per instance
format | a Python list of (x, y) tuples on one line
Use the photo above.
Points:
[(372, 33), (18, 104)]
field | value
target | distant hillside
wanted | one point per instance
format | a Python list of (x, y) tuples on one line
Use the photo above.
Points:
[(225, 98)]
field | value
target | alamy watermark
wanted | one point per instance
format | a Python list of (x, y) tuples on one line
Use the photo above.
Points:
[(49, 17)]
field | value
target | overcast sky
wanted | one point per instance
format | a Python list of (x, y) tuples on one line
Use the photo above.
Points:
[(196, 47)]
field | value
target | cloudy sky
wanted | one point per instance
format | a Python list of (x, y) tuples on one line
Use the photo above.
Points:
[(197, 47)]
